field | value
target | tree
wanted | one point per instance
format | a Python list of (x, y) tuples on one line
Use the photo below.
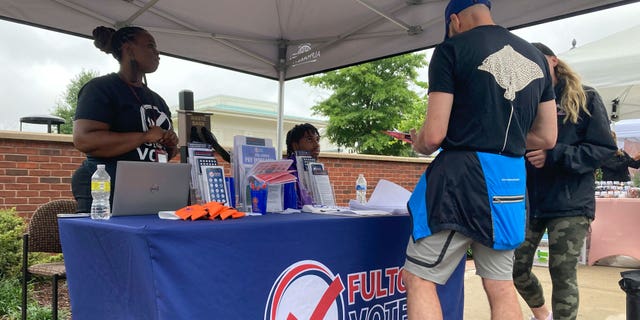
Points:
[(66, 109), (370, 98)]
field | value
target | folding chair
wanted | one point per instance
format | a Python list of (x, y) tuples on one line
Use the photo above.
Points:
[(42, 236)]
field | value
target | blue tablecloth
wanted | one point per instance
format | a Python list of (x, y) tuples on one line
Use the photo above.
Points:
[(296, 266)]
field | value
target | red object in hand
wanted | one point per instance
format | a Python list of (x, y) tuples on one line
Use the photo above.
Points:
[(402, 136)]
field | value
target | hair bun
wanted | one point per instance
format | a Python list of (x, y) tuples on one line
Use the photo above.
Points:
[(102, 38)]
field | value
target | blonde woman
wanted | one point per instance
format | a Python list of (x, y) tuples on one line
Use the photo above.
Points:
[(560, 185)]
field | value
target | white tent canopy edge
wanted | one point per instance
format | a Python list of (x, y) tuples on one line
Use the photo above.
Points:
[(281, 39), (612, 66)]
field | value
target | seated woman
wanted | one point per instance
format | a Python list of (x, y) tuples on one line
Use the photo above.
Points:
[(616, 168), (301, 139)]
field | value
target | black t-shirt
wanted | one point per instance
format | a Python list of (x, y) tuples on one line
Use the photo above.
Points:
[(125, 108), (498, 81), (488, 70)]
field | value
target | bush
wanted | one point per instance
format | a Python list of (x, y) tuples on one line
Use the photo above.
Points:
[(11, 229), (598, 174), (10, 301), (10, 294)]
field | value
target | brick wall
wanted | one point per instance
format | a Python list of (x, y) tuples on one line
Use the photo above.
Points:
[(34, 169), (344, 170), (37, 168)]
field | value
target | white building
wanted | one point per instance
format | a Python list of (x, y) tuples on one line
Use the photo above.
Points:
[(231, 116)]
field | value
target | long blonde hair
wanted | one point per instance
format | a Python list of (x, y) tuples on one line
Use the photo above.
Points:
[(619, 152), (573, 97)]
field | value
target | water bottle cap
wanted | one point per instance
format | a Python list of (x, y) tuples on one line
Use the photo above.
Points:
[(101, 166)]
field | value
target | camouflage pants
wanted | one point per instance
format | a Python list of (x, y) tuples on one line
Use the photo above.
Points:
[(566, 238)]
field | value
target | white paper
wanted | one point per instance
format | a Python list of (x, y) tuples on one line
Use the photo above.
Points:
[(317, 208), (274, 198), (168, 215), (325, 191), (319, 181), (342, 211), (387, 196), (73, 215)]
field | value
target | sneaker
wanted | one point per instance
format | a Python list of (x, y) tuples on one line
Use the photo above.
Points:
[(549, 317)]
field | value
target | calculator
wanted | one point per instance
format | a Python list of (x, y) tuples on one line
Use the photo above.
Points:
[(216, 187), (204, 161)]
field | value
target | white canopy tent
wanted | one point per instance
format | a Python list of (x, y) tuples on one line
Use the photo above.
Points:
[(627, 130), (281, 39), (612, 66)]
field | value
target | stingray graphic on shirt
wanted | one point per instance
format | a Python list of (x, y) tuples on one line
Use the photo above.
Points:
[(151, 116), (512, 71)]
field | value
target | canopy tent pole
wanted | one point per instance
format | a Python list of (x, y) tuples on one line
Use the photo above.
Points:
[(282, 71), (280, 113)]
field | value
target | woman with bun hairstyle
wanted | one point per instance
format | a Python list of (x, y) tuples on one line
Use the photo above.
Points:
[(118, 117)]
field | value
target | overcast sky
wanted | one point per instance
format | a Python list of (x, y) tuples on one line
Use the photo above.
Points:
[(37, 65)]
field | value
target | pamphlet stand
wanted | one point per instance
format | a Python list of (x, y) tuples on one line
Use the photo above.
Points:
[(186, 121)]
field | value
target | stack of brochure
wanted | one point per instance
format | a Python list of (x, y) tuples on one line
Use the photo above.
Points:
[(201, 157), (320, 184), (303, 158), (315, 179), (247, 151), (272, 172)]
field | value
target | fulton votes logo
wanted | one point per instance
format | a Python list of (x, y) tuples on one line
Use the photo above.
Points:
[(306, 290), (309, 290)]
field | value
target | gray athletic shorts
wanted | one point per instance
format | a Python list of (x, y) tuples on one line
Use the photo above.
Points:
[(435, 257)]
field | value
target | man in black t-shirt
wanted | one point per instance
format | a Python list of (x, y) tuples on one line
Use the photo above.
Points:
[(490, 98)]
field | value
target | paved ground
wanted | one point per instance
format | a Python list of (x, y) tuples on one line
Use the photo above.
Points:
[(600, 295)]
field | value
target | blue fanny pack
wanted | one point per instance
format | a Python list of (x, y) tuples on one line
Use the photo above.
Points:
[(505, 183)]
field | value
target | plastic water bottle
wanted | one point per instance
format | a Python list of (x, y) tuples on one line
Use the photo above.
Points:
[(361, 189), (100, 192)]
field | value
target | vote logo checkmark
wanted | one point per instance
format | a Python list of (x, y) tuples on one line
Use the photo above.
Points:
[(306, 290), (327, 299)]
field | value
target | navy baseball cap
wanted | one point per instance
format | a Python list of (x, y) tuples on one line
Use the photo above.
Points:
[(455, 7)]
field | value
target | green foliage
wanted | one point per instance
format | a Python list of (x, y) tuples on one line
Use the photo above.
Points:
[(414, 117), (636, 179), (370, 98), (66, 109), (10, 294), (11, 229), (10, 301), (598, 174)]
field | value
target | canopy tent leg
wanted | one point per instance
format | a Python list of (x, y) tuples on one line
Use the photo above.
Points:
[(282, 71), (280, 114)]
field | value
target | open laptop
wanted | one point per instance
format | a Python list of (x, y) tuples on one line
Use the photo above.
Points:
[(148, 187)]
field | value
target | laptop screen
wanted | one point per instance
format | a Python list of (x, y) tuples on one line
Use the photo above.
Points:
[(148, 187)]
